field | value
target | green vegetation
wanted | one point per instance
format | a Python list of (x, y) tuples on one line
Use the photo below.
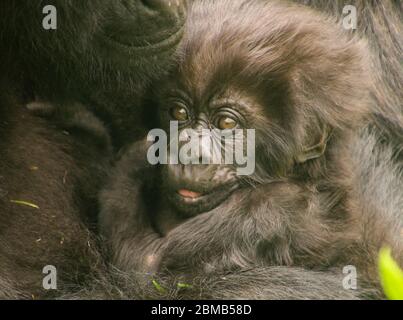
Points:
[(391, 275)]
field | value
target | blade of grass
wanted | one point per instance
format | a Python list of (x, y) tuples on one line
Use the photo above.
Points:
[(158, 287), (25, 203), (183, 286)]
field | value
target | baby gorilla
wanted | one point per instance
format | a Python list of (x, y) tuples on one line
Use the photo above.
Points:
[(322, 196)]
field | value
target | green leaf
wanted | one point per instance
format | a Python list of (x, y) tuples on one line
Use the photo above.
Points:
[(391, 275)]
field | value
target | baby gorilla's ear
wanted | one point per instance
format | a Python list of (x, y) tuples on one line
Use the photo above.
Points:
[(317, 150)]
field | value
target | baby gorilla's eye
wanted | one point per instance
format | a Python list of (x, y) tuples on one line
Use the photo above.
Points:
[(179, 113), (225, 123)]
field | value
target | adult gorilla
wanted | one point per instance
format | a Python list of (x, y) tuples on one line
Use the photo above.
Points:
[(100, 51), (103, 53)]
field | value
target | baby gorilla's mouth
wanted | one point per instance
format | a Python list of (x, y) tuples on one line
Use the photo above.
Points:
[(188, 194), (190, 202)]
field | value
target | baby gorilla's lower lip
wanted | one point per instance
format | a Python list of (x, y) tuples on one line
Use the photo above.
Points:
[(189, 194), (191, 203)]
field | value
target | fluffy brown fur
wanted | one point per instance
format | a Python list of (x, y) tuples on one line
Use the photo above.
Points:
[(338, 219), (302, 79)]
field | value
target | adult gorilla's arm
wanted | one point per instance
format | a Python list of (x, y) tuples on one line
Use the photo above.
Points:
[(258, 283)]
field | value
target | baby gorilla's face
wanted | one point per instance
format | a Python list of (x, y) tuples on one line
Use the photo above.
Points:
[(212, 146)]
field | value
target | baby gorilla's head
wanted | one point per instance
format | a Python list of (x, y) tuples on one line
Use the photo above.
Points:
[(284, 71)]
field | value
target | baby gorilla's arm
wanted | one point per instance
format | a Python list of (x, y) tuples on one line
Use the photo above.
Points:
[(124, 219), (185, 249), (246, 227)]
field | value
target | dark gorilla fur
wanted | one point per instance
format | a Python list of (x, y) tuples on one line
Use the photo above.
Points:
[(288, 230), (101, 52), (106, 86), (92, 56)]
